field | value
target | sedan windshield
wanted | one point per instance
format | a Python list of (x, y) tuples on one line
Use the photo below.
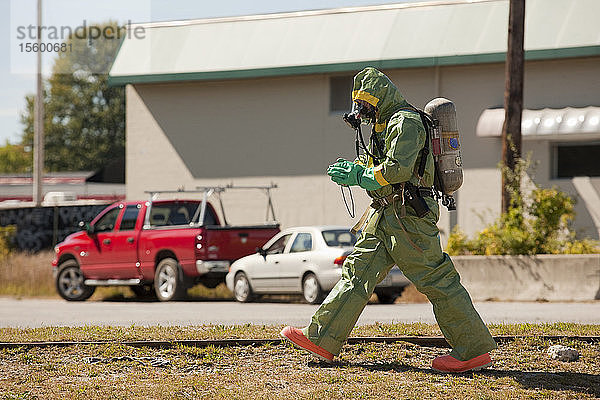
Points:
[(339, 238)]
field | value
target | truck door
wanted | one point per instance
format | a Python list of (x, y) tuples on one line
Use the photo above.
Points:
[(112, 253), (96, 258), (124, 244)]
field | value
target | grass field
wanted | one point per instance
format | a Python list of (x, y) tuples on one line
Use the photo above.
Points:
[(521, 369)]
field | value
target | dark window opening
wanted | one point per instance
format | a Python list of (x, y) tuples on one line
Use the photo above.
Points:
[(129, 218), (340, 92), (577, 160), (107, 222), (178, 213), (279, 246)]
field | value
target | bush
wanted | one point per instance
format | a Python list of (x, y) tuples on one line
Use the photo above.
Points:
[(537, 223)]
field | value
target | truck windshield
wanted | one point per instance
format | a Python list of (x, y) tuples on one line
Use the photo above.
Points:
[(178, 213), (339, 238)]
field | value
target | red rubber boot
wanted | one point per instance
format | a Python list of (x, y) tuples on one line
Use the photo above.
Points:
[(448, 363), (296, 336)]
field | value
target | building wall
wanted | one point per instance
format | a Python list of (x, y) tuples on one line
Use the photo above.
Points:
[(251, 132), (258, 131)]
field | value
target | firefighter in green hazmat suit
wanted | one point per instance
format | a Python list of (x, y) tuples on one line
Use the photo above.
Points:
[(394, 234)]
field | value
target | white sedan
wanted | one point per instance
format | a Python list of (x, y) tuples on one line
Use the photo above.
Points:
[(302, 260)]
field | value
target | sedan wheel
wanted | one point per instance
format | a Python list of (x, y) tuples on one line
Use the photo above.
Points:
[(167, 283), (69, 282), (241, 288), (311, 289)]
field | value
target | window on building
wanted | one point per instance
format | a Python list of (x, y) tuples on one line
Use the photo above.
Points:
[(340, 88), (579, 159)]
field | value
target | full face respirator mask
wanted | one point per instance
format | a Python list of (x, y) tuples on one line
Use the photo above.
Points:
[(360, 113)]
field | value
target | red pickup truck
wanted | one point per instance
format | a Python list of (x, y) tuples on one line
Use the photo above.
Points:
[(155, 247)]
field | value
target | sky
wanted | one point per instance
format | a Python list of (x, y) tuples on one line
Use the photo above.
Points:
[(17, 68)]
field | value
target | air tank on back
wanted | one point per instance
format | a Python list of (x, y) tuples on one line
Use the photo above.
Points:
[(446, 144)]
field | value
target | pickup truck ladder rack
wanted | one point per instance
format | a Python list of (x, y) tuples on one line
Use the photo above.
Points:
[(208, 191)]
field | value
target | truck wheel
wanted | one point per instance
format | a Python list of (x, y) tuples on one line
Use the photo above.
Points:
[(167, 282), (241, 288), (311, 290), (69, 282)]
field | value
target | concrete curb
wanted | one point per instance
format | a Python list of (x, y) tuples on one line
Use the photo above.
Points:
[(530, 278)]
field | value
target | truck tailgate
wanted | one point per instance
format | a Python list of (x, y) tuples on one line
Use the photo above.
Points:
[(231, 243)]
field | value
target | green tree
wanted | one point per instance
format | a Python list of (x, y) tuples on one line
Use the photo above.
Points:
[(84, 118), (14, 158)]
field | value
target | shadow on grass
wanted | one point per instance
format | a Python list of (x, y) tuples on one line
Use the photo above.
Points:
[(555, 381)]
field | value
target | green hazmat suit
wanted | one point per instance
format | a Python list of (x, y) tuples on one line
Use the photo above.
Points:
[(408, 241)]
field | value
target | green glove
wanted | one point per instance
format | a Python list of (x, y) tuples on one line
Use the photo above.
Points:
[(344, 172), (367, 179)]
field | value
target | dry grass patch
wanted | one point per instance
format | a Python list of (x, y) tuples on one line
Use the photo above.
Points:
[(364, 371), (25, 274)]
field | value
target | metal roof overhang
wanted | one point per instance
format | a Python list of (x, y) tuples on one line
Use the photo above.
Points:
[(405, 35), (546, 124)]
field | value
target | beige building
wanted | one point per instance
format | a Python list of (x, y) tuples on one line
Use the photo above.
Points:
[(258, 99)]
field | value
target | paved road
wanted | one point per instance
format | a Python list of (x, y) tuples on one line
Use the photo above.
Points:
[(36, 313)]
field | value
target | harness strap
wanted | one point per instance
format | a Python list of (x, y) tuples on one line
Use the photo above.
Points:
[(399, 190), (425, 149), (378, 145), (361, 222)]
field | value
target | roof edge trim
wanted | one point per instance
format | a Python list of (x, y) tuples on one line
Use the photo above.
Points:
[(530, 55)]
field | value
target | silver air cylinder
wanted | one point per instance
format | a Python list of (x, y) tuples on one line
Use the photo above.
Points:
[(446, 144)]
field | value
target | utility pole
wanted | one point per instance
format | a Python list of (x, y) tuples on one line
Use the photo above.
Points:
[(513, 96), (38, 137)]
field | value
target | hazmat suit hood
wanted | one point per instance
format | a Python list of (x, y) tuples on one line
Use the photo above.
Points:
[(377, 89)]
